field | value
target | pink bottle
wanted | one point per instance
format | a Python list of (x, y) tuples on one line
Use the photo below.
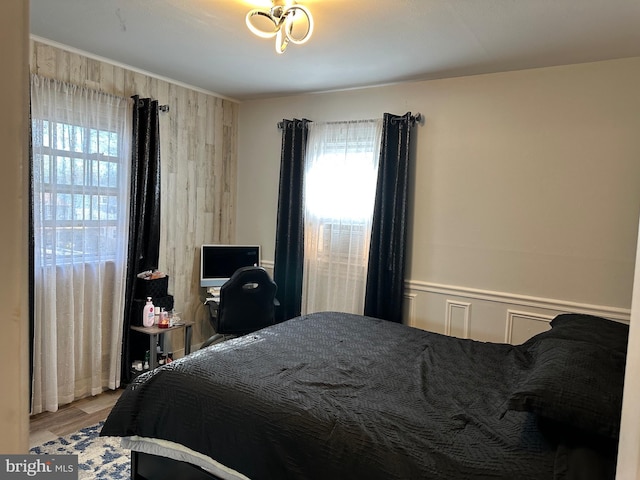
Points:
[(147, 314)]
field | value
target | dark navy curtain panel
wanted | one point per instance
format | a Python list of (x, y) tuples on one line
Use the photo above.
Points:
[(385, 277), (144, 221), (289, 254)]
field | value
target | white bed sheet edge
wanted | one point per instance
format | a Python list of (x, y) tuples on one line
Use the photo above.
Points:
[(175, 451)]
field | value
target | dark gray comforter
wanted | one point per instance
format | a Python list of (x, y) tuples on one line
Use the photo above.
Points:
[(338, 396)]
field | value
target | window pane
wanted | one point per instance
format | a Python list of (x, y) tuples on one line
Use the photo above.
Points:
[(111, 207), (63, 171), (108, 143), (93, 141), (45, 133), (105, 170), (352, 182), (62, 138), (78, 171), (78, 180), (46, 168), (46, 205), (63, 206), (64, 242)]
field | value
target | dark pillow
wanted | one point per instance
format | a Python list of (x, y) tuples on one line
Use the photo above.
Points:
[(576, 383), (588, 328)]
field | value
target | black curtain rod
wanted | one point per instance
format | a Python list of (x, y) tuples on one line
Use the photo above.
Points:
[(413, 119), (162, 108), (281, 124), (299, 123), (417, 118)]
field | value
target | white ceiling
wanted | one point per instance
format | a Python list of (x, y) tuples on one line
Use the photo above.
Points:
[(206, 44)]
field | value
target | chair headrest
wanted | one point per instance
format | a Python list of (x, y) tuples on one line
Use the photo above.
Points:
[(249, 278)]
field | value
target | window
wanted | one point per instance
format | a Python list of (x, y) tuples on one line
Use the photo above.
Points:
[(80, 190), (340, 189), (340, 179), (78, 169)]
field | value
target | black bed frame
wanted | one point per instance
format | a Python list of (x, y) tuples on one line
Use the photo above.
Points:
[(145, 466)]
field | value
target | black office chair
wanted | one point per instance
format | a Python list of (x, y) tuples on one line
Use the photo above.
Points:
[(247, 303)]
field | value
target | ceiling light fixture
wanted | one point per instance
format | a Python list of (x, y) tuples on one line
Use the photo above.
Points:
[(283, 14)]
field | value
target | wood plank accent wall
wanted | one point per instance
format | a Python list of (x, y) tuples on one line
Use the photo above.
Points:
[(198, 139)]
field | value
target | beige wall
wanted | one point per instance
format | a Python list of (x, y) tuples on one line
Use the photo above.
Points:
[(525, 184), (198, 156), (14, 368)]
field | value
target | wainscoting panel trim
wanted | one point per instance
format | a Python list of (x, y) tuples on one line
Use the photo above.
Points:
[(410, 305), (466, 307), (513, 315), (616, 313)]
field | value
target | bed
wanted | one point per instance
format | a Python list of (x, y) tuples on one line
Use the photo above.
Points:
[(340, 396)]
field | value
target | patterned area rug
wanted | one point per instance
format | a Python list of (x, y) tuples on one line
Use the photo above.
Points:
[(98, 457)]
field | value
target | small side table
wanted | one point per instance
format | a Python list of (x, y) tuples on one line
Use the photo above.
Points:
[(155, 331)]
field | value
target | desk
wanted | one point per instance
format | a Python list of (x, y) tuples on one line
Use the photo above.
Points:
[(155, 331)]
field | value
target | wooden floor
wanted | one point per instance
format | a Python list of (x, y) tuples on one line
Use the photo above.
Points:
[(71, 418)]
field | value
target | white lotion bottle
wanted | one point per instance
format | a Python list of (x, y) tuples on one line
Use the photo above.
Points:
[(148, 313)]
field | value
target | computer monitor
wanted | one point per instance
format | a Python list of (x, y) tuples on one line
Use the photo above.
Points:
[(218, 262)]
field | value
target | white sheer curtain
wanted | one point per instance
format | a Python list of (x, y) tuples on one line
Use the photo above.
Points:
[(81, 158), (341, 167)]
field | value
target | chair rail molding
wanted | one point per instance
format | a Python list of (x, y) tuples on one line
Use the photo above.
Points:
[(614, 313), (268, 265), (490, 316)]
